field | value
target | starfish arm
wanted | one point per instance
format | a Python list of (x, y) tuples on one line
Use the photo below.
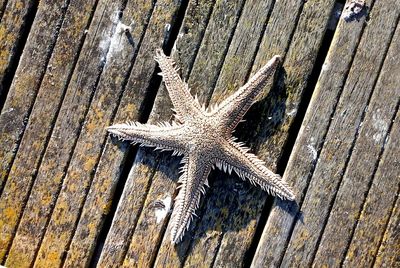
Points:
[(183, 101), (195, 172), (164, 136), (235, 156), (232, 109)]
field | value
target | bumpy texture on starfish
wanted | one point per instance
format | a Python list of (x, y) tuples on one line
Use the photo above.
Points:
[(204, 137)]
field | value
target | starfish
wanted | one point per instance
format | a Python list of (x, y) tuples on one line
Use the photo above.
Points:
[(204, 138)]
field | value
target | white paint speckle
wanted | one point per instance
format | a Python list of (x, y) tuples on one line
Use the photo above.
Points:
[(163, 209)]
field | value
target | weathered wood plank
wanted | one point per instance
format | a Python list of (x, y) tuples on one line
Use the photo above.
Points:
[(267, 137), (38, 209), (341, 135), (27, 79), (378, 206), (12, 119), (147, 228), (12, 25), (311, 136), (120, 60), (88, 228), (388, 254), (359, 174), (97, 55)]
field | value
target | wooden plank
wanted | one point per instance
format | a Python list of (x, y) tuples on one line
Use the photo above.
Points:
[(15, 112), (244, 202), (341, 136), (98, 53), (311, 136), (147, 229), (27, 79), (388, 254), (378, 206), (12, 26), (38, 209), (362, 164), (84, 240), (132, 104)]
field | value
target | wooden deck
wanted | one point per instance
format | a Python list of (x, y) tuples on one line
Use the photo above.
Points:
[(72, 196)]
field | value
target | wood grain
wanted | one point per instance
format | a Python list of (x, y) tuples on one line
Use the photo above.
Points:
[(12, 26), (66, 130), (359, 174), (39, 128), (14, 118), (340, 138), (378, 207), (388, 251), (28, 76), (311, 136), (139, 82)]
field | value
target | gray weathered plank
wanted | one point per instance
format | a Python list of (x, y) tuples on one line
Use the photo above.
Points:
[(359, 174), (267, 137), (14, 116), (120, 59), (12, 25), (39, 127), (132, 105), (105, 47), (341, 135), (309, 141), (378, 205), (388, 254), (38, 210), (27, 78)]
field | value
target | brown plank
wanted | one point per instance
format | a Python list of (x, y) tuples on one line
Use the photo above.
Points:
[(244, 202), (311, 136), (85, 237), (341, 135), (388, 254), (99, 204), (147, 229), (361, 167), (12, 26), (38, 209), (28, 76), (15, 112), (98, 54), (378, 206)]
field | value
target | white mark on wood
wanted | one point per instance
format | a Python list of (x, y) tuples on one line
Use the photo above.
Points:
[(292, 112), (379, 125), (312, 151), (162, 208), (353, 9)]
